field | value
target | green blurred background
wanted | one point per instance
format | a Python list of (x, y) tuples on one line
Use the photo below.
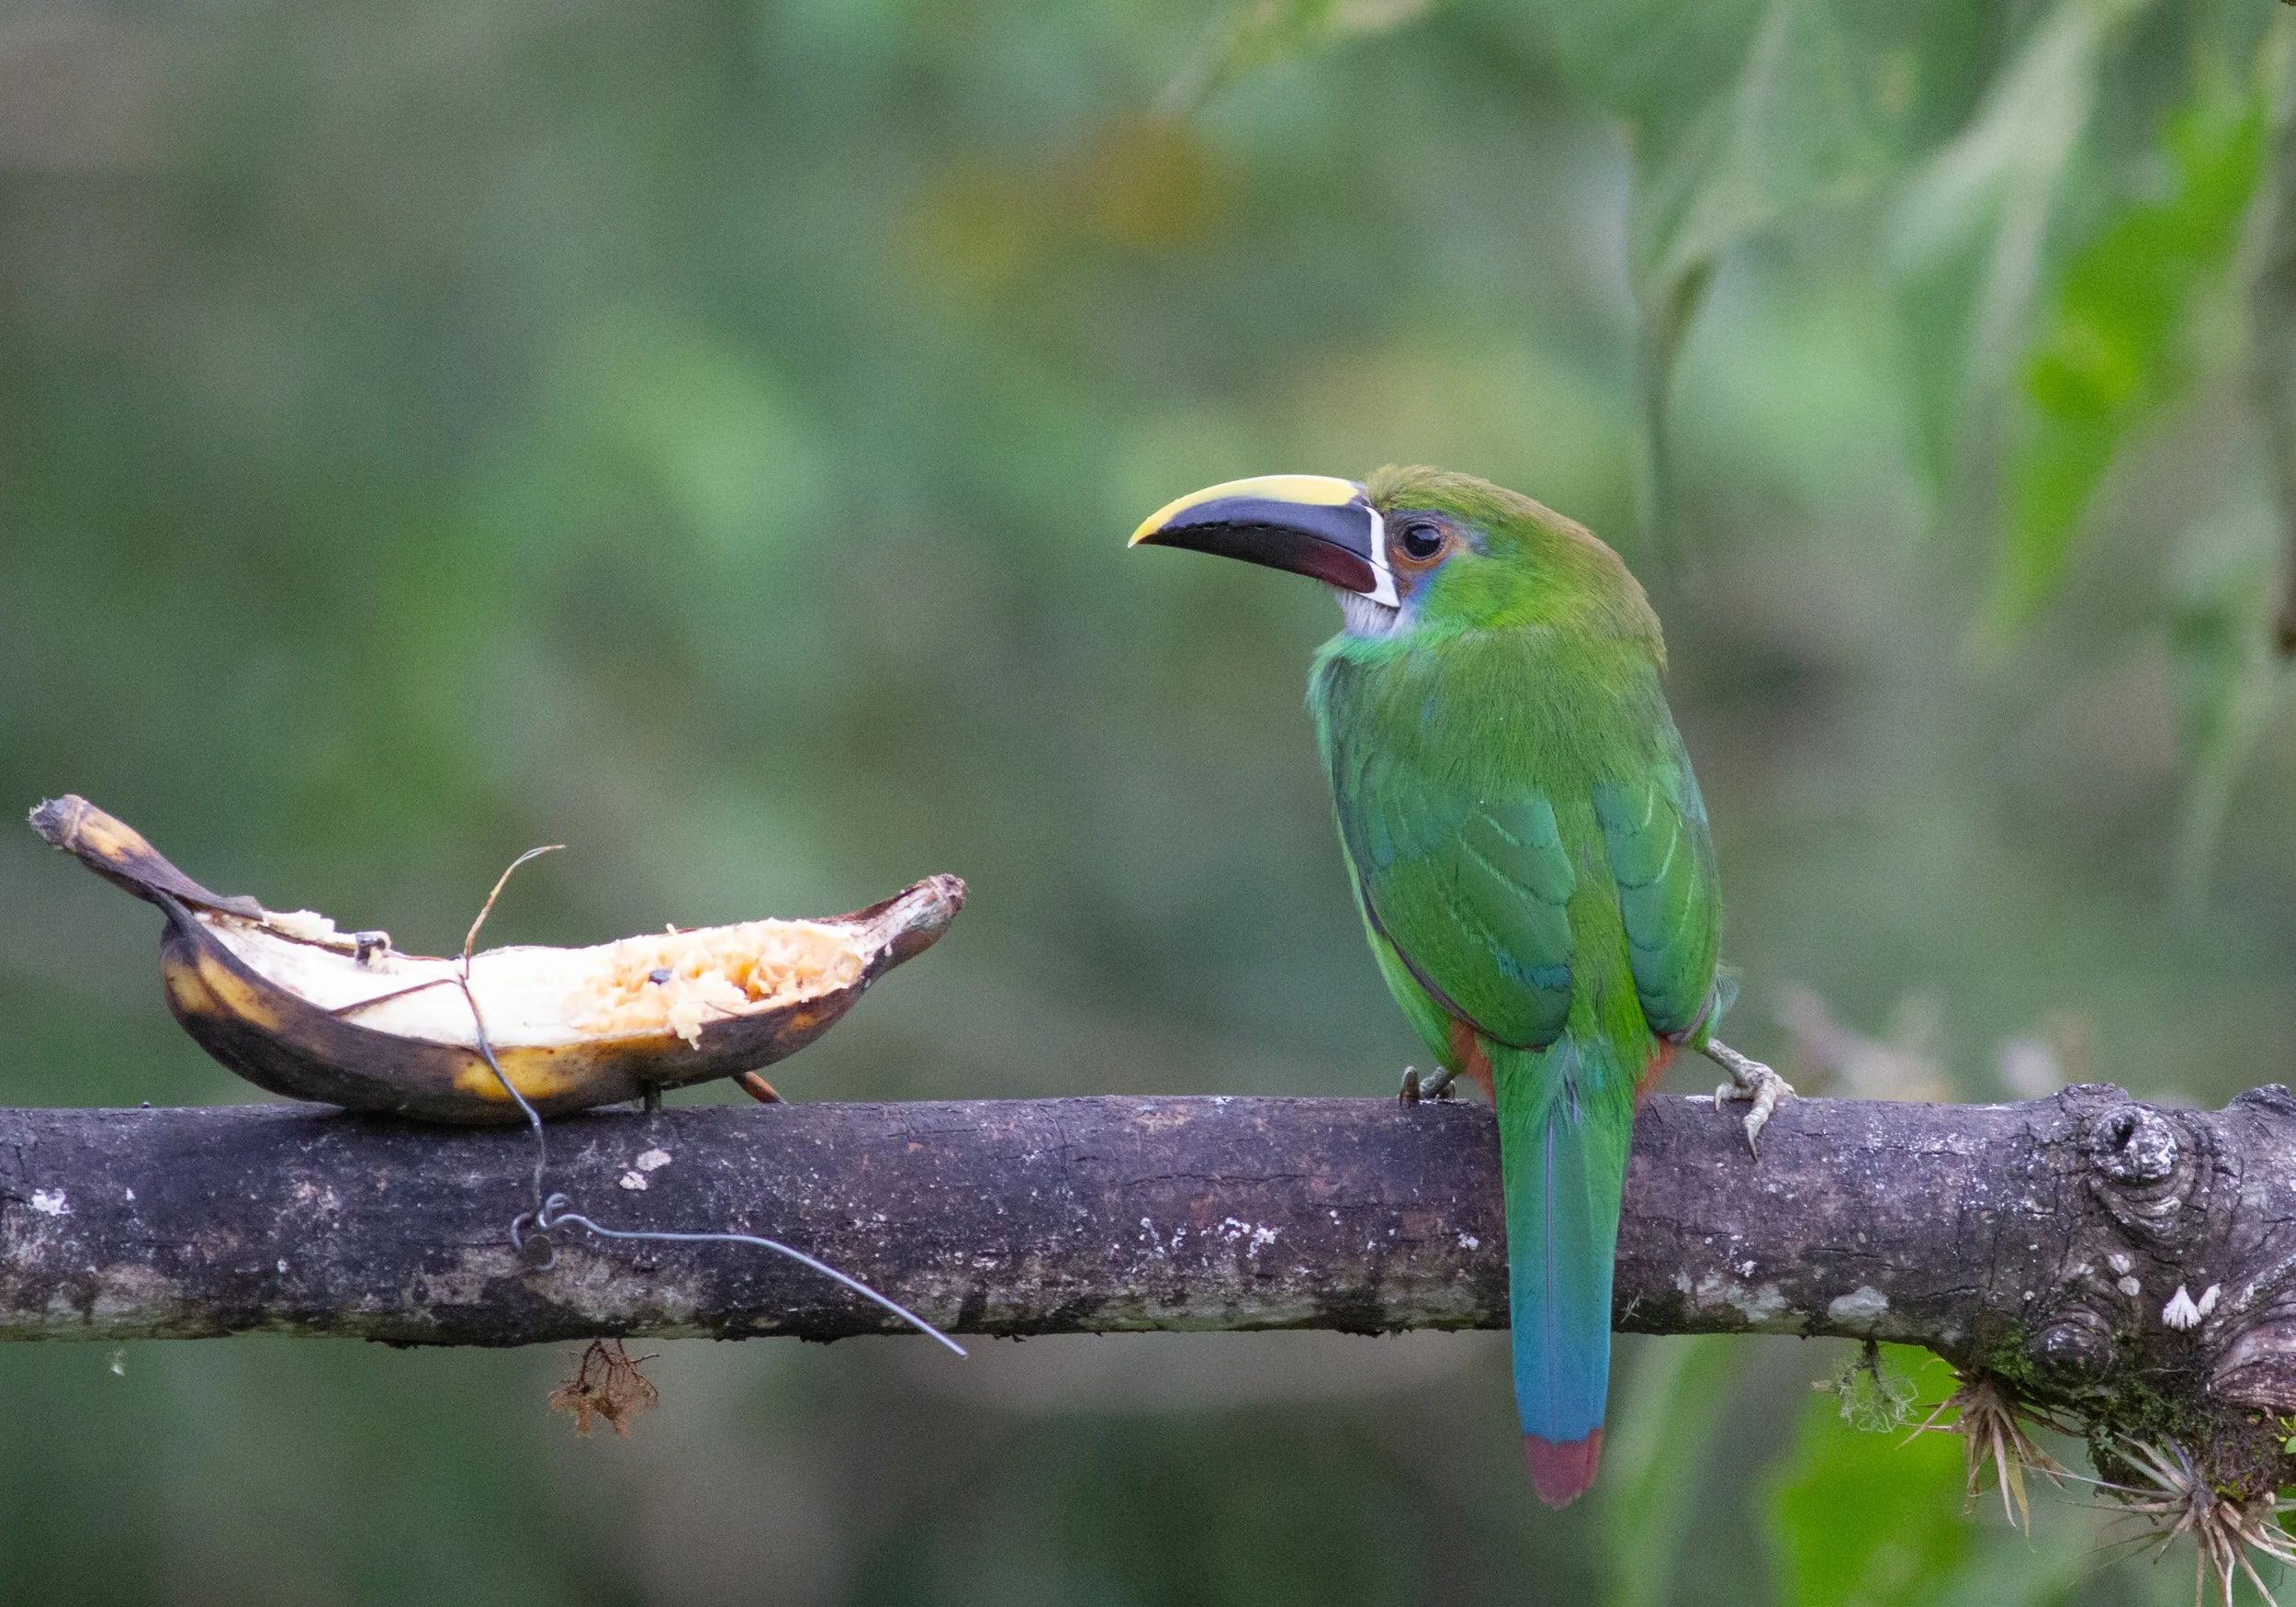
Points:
[(704, 433)]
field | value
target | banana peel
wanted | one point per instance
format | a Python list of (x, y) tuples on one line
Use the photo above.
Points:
[(302, 1009)]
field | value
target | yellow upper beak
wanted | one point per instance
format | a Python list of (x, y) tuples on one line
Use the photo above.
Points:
[(1312, 490), (1310, 525)]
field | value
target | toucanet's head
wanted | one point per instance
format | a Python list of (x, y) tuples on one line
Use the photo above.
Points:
[(1416, 551)]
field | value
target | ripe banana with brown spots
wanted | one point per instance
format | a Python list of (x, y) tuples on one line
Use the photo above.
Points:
[(300, 1008)]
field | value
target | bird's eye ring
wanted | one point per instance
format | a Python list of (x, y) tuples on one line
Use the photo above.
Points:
[(1421, 539)]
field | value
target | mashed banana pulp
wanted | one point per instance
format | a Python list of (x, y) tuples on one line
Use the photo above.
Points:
[(683, 981)]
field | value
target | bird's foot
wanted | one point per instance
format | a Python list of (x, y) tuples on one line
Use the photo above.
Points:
[(1435, 1085), (1750, 1081)]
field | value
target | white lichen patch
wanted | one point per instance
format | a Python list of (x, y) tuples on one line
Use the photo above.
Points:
[(315, 1196), (1469, 1241), (2130, 1287), (50, 1202), (607, 1290), (1759, 1306), (465, 1282), (654, 1160), (1862, 1309), (634, 1181), (1253, 1238), (128, 1293)]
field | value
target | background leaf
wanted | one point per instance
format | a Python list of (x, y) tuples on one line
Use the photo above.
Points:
[(2222, 582), (1968, 237), (2116, 347), (1747, 113), (1251, 34)]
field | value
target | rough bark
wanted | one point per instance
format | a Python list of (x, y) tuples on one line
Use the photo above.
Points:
[(2041, 1243)]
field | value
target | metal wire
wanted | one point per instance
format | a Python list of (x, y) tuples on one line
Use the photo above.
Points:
[(557, 1211), (534, 1116)]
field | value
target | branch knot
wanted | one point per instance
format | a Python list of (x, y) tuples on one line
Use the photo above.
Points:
[(2152, 1169)]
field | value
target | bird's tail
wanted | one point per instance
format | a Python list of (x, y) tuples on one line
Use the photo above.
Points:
[(1564, 1128)]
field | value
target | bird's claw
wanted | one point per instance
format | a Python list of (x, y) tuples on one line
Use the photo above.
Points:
[(1435, 1085), (1750, 1081)]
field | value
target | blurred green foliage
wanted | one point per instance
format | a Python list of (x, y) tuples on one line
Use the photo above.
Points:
[(704, 432), (1867, 1515), (1864, 1513), (2108, 356)]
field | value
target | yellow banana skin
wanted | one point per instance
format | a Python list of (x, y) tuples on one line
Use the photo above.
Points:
[(282, 1040)]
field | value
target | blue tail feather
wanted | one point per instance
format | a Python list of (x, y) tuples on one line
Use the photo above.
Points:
[(1563, 1148)]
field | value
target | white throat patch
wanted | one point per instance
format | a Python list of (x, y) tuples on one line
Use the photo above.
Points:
[(1367, 616)]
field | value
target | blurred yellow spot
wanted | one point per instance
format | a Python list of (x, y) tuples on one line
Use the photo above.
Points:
[(1151, 186), (1141, 186)]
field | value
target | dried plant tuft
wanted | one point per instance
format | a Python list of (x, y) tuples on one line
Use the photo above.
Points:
[(1992, 1429), (607, 1383), (2230, 1533)]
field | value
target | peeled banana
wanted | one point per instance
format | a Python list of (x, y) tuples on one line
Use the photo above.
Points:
[(297, 1006)]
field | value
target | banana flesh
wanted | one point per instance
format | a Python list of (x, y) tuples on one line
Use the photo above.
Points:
[(302, 1009)]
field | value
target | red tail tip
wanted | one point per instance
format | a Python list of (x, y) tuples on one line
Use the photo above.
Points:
[(1561, 1473)]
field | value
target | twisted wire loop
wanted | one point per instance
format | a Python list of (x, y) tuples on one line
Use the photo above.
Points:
[(557, 1210)]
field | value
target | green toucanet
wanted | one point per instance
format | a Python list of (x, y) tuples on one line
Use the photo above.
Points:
[(1530, 855)]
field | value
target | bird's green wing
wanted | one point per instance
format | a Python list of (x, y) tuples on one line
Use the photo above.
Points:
[(1661, 856), (1470, 888)]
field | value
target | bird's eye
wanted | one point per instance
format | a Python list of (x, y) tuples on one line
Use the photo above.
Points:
[(1422, 540)]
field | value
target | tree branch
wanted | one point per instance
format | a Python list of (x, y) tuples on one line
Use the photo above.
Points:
[(2041, 1241)]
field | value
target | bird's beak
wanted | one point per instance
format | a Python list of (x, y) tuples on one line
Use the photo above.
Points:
[(1309, 523)]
